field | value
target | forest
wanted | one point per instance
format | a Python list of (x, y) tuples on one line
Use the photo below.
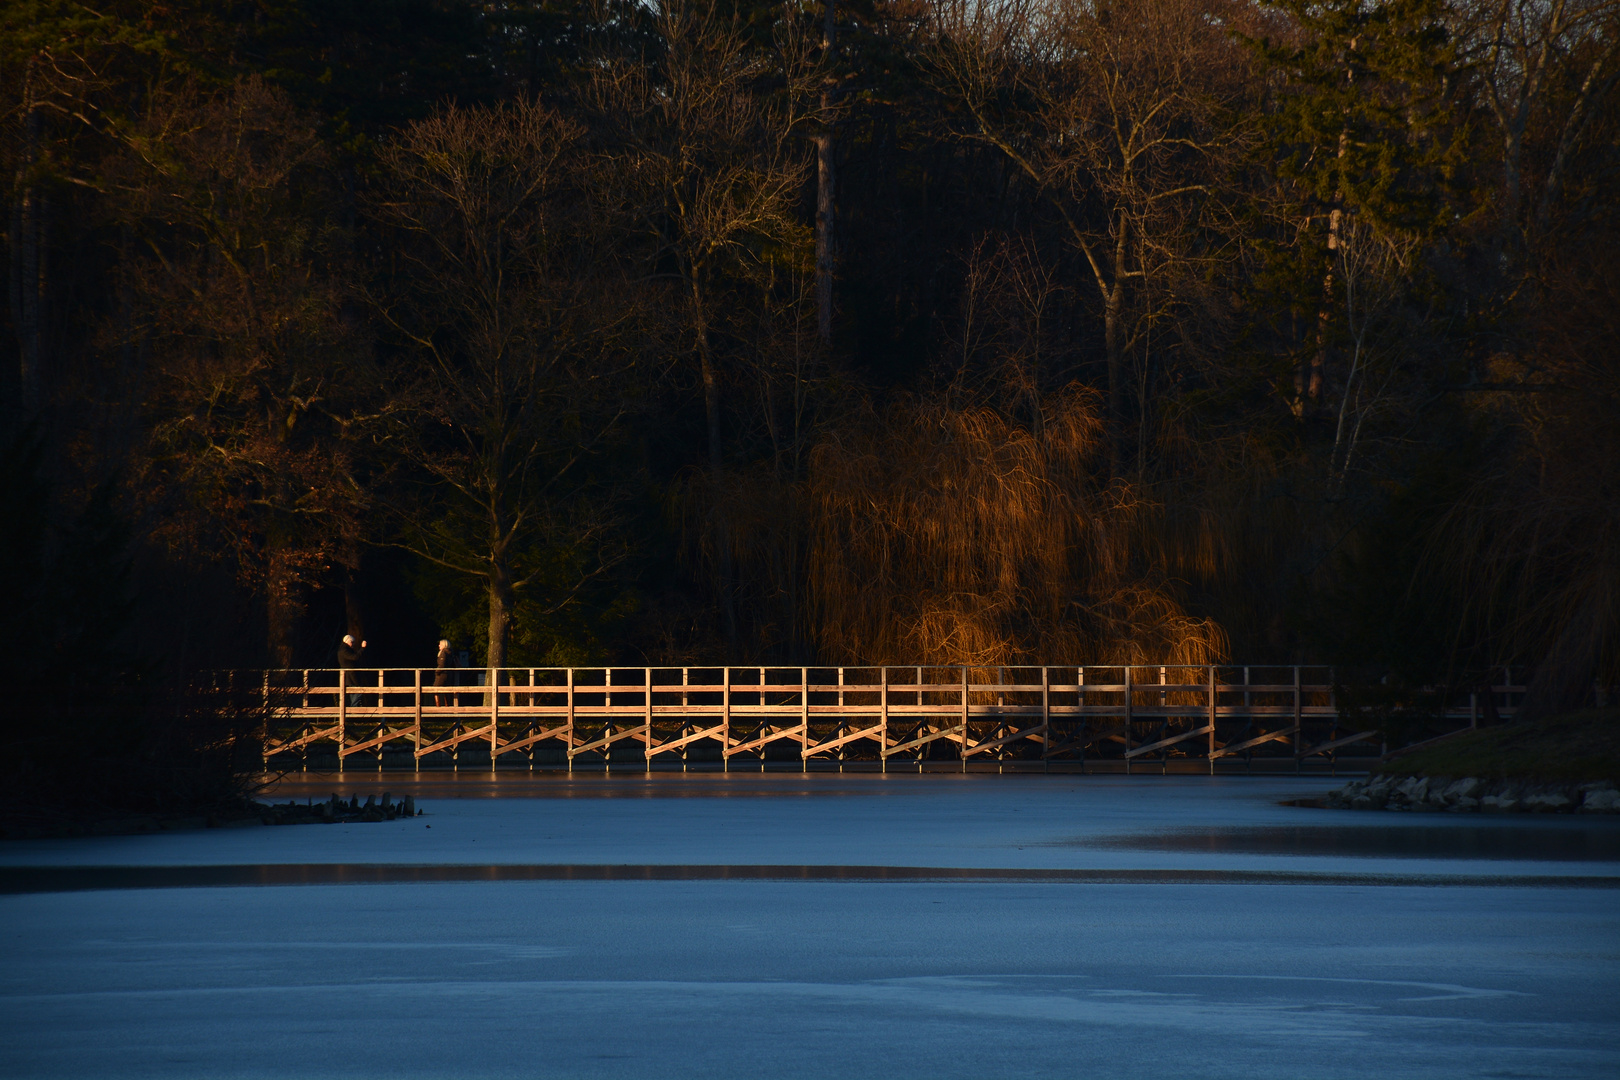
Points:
[(856, 331)]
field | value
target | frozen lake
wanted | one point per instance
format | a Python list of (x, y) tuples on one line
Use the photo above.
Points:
[(742, 927)]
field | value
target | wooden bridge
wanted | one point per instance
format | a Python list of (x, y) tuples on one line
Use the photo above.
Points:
[(1114, 717)]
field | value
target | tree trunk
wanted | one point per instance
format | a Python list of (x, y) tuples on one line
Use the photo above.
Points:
[(1112, 311), (824, 186), (500, 612), (284, 608), (1309, 389)]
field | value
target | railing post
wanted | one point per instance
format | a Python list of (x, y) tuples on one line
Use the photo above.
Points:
[(843, 723), (570, 732), (343, 713), (1210, 754), (646, 734), (1080, 713), (1129, 731), (804, 719), (494, 713), (883, 723), (264, 733), (416, 735), (1046, 719), (964, 721), (725, 720), (1299, 725)]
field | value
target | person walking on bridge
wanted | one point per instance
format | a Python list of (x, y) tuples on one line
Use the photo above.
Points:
[(349, 655), (441, 673)]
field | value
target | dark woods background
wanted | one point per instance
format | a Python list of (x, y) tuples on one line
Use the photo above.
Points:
[(869, 331)]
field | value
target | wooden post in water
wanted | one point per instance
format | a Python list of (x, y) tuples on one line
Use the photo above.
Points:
[(1128, 729), (1210, 754), (343, 714), (964, 721), (494, 712), (1299, 739), (1046, 719)]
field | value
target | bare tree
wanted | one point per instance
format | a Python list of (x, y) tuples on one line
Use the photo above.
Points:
[(512, 331), (703, 134), (1519, 47), (1121, 116), (255, 374)]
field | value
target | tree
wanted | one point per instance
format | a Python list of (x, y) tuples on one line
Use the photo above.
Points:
[(1124, 116), (512, 333), (1522, 50), (702, 131), (235, 265)]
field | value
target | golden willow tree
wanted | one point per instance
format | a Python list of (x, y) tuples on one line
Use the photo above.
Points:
[(948, 534)]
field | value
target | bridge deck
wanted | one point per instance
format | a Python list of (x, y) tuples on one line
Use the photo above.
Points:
[(1137, 715)]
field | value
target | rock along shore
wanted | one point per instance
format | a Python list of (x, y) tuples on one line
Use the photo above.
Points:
[(1472, 795)]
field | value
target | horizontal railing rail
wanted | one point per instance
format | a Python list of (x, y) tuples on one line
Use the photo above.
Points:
[(1135, 714)]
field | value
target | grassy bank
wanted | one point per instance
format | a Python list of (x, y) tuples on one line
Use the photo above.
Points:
[(1573, 748)]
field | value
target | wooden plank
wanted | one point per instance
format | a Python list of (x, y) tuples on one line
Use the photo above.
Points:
[(397, 733), (1080, 744), (1150, 747), (617, 736), (1336, 743), (934, 736), (775, 735), (525, 743), (454, 740), (305, 740), (1285, 734), (993, 744), (685, 740), (873, 733)]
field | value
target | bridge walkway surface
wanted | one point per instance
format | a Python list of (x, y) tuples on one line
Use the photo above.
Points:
[(1159, 717)]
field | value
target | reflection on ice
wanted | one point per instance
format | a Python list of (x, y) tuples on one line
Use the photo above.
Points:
[(1581, 840)]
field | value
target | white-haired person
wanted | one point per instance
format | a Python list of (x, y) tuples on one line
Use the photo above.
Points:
[(349, 655)]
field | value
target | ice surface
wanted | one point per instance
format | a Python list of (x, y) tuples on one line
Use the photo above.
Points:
[(752, 979), (945, 821)]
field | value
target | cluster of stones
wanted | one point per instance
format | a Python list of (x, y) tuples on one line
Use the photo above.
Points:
[(335, 810), (1470, 794)]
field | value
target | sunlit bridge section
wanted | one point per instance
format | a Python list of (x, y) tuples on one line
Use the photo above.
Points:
[(1156, 718)]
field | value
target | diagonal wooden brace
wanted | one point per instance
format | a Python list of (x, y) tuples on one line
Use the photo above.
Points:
[(456, 740), (1205, 730), (305, 740), (525, 743), (873, 733), (609, 740), (686, 740), (775, 734), (393, 733), (1285, 734), (1336, 743), (953, 734), (1037, 732)]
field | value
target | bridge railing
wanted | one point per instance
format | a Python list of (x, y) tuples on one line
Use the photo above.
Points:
[(1137, 715)]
